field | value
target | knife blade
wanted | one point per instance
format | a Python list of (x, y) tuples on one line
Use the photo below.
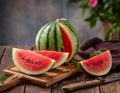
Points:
[(89, 83)]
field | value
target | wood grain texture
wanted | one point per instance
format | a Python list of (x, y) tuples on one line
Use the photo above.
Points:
[(113, 87), (6, 59), (57, 88), (36, 89)]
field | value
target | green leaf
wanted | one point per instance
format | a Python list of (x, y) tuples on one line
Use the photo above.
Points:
[(2, 77), (95, 53), (92, 21), (84, 6)]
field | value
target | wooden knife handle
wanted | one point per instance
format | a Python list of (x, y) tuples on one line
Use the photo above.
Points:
[(79, 85), (10, 82)]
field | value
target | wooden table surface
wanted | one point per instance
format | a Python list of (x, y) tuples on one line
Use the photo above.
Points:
[(6, 61)]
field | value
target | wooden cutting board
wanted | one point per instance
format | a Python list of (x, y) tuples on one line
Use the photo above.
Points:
[(45, 80)]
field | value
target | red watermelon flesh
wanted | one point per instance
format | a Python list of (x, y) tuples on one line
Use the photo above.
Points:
[(98, 65), (30, 62), (67, 43), (59, 57)]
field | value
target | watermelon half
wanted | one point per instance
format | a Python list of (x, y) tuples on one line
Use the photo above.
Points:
[(98, 65), (59, 57), (30, 62)]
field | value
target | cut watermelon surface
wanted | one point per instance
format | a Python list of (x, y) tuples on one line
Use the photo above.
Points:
[(30, 62), (59, 57), (67, 43), (98, 65)]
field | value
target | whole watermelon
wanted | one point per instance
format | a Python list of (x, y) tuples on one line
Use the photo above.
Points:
[(58, 35)]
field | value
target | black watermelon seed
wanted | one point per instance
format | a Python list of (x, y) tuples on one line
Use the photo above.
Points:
[(27, 59)]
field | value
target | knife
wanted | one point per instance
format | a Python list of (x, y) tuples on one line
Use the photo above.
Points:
[(89, 83)]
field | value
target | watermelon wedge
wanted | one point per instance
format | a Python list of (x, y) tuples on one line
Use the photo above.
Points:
[(30, 62), (98, 65), (70, 39), (59, 57)]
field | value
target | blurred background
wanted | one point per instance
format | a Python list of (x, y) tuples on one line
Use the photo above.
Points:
[(20, 20)]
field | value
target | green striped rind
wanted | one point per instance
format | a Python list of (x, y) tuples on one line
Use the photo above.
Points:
[(49, 38), (55, 38), (80, 67), (41, 37), (73, 35), (73, 30)]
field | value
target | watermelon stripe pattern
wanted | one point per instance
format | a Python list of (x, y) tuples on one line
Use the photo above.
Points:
[(55, 38), (48, 38), (39, 36), (59, 36)]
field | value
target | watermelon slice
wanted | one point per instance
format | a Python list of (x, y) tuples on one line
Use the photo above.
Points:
[(67, 43), (30, 62), (59, 57), (98, 65)]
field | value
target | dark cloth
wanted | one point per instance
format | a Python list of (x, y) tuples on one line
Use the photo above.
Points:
[(95, 44)]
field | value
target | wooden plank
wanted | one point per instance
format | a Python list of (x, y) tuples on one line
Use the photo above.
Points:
[(36, 89), (113, 87), (110, 88), (89, 90), (16, 89), (6, 60), (2, 49), (57, 88)]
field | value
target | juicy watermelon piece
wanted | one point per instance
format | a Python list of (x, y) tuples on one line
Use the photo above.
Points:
[(59, 57), (67, 43), (30, 62), (70, 38), (98, 65)]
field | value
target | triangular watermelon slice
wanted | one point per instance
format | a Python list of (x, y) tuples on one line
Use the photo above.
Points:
[(98, 65), (30, 62), (59, 57)]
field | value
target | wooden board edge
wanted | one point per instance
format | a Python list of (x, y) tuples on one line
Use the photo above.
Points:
[(27, 78), (62, 77)]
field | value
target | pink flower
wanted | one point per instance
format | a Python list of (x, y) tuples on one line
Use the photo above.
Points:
[(93, 3)]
